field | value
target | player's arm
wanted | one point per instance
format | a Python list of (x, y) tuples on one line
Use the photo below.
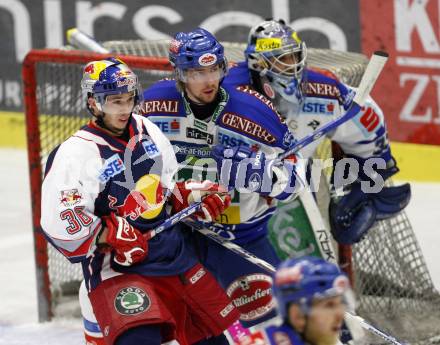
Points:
[(67, 204), (260, 171)]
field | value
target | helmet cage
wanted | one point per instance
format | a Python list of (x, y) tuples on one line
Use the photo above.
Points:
[(274, 65)]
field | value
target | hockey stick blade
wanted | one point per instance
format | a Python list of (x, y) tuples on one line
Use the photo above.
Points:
[(372, 72)]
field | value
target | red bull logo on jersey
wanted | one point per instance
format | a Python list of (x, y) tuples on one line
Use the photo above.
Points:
[(252, 295), (145, 201), (70, 197), (112, 166)]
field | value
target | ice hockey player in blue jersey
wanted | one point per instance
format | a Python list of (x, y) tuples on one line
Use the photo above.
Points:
[(104, 189), (196, 112), (312, 298), (308, 99)]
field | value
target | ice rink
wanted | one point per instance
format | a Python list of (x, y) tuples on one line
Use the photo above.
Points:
[(18, 306)]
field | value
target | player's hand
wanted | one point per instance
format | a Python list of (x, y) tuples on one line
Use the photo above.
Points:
[(129, 244), (213, 196), (241, 168)]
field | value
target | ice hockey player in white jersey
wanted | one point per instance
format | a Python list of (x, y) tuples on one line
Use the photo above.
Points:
[(196, 112), (308, 99), (312, 297), (104, 189)]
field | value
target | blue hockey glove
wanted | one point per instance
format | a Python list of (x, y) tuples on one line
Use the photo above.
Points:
[(241, 168), (355, 213)]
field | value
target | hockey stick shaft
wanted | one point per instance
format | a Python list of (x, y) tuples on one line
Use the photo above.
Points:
[(375, 330), (372, 72)]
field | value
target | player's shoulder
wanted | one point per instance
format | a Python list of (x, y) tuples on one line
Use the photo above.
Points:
[(161, 89), (324, 83), (283, 334), (244, 99), (238, 74), (75, 150), (253, 115), (162, 98)]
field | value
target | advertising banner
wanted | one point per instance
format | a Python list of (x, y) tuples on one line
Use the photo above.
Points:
[(409, 88), (27, 24)]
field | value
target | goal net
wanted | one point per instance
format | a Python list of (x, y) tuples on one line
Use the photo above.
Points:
[(391, 280)]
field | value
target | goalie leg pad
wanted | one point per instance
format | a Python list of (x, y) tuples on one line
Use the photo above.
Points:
[(392, 200), (352, 216)]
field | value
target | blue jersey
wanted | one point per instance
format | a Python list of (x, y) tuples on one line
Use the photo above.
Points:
[(92, 174), (325, 99), (272, 335), (242, 117)]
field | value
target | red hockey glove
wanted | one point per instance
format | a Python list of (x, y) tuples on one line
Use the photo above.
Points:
[(129, 244), (214, 198)]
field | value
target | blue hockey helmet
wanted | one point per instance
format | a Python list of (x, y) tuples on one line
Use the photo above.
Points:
[(109, 77), (196, 49), (305, 279)]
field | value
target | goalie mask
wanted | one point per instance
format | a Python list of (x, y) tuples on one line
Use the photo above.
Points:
[(110, 77), (276, 57), (197, 56), (305, 279)]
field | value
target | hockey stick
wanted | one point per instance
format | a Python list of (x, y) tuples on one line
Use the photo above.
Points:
[(374, 330)]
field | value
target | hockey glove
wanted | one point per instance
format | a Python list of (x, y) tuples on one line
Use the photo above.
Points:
[(129, 244), (241, 168), (213, 196), (355, 213)]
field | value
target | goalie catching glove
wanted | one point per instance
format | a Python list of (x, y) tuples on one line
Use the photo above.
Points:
[(128, 243), (355, 213), (213, 196)]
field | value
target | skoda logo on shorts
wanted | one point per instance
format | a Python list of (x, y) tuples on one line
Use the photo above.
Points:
[(132, 301)]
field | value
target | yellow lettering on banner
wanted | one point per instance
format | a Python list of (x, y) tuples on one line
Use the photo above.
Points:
[(264, 44)]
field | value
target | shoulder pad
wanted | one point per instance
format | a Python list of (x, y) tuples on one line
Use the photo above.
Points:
[(161, 98), (238, 75)]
